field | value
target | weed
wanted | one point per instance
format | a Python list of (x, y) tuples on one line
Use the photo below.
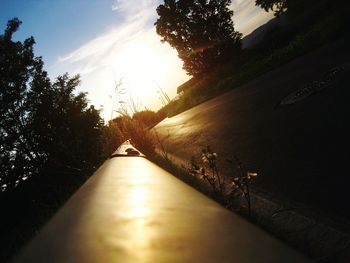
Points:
[(162, 147), (226, 190)]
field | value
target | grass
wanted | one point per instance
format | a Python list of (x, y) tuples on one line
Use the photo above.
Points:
[(203, 173)]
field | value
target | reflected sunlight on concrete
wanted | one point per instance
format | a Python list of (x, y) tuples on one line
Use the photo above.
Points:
[(131, 210)]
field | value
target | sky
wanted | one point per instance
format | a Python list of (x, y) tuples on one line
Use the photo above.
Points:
[(109, 42)]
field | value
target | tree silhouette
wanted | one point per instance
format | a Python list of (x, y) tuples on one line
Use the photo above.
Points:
[(42, 124), (69, 131), (201, 31), (278, 6), (315, 8), (18, 69)]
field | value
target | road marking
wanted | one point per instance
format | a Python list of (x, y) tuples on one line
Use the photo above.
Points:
[(314, 86)]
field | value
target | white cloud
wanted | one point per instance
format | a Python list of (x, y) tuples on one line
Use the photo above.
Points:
[(115, 6), (132, 50), (247, 16), (132, 9)]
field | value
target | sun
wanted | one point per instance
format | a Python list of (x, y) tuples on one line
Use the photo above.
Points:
[(144, 64)]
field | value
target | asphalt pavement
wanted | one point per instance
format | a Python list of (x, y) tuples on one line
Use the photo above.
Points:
[(290, 125)]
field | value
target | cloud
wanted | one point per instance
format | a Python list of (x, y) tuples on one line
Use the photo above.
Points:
[(248, 16), (131, 10), (138, 19), (132, 50), (115, 6), (92, 54)]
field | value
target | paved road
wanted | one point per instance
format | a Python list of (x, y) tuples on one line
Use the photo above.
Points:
[(131, 211), (300, 150)]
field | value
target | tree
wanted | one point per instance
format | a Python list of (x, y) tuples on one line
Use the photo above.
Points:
[(314, 8), (201, 31), (67, 129), (42, 124), (278, 6), (18, 68), (111, 138)]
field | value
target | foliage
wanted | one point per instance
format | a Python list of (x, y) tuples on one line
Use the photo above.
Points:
[(231, 190), (279, 46), (162, 146), (44, 125), (278, 6), (71, 128), (311, 10), (17, 64), (50, 140), (227, 189), (209, 170), (135, 131), (111, 138), (148, 118), (287, 6), (202, 32)]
